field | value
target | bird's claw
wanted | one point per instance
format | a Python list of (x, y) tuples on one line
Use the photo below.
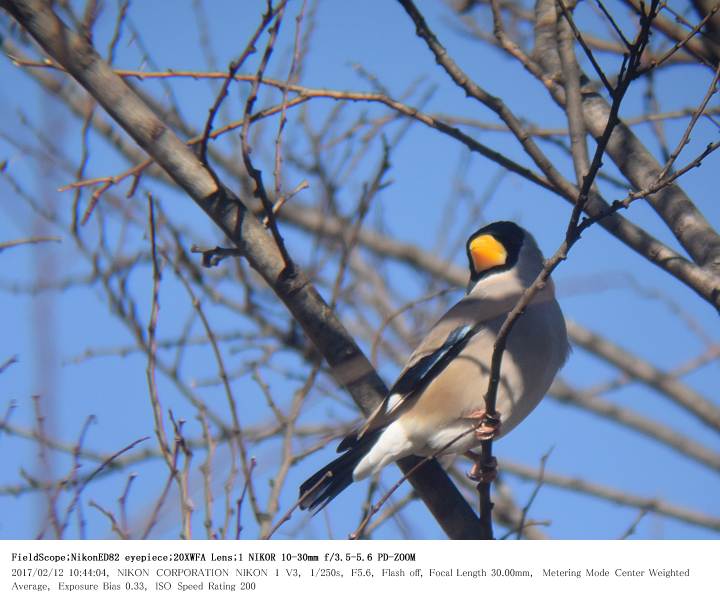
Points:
[(483, 472), (488, 426)]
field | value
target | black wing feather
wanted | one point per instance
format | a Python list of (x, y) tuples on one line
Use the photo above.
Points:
[(326, 484), (427, 367)]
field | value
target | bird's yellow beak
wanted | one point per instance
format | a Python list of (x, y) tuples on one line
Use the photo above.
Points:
[(487, 252)]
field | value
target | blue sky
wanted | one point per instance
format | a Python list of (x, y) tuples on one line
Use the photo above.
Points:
[(603, 286)]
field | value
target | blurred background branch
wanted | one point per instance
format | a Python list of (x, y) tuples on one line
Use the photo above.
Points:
[(380, 170)]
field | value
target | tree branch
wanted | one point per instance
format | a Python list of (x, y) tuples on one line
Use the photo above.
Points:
[(350, 367)]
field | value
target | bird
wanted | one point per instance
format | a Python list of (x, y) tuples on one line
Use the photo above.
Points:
[(438, 397)]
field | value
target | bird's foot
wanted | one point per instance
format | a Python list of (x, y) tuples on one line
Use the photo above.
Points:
[(488, 426), (481, 471)]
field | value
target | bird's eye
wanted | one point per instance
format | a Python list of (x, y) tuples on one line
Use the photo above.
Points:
[(486, 253)]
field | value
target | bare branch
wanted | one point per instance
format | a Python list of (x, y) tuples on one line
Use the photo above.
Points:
[(351, 368)]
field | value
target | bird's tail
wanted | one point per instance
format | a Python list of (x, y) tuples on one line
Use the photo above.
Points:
[(327, 483)]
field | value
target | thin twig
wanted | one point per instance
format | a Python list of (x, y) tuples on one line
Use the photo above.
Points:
[(5, 245), (232, 70), (541, 475)]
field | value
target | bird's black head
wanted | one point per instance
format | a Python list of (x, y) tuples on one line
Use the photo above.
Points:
[(494, 248)]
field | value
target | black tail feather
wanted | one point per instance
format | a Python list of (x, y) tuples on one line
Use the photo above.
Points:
[(327, 483)]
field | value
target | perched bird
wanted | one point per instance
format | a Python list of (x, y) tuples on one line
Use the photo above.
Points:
[(439, 396)]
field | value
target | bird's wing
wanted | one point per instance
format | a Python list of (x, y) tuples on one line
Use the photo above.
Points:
[(422, 367), (427, 365), (420, 370), (441, 345)]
